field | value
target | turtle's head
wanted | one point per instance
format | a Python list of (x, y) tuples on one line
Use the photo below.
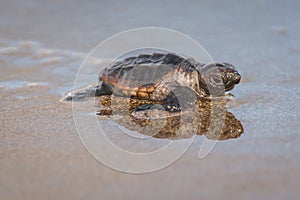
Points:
[(219, 77)]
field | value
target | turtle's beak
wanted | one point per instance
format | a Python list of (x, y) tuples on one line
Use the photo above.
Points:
[(237, 78)]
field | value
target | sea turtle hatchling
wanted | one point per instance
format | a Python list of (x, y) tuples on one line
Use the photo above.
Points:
[(157, 77)]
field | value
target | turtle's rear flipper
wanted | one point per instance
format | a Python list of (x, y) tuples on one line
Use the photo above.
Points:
[(103, 89), (88, 91), (81, 93)]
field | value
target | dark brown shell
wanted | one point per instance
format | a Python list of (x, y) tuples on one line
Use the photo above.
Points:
[(139, 76)]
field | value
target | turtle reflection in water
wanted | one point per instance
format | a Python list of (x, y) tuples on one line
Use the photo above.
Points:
[(194, 119), (153, 83)]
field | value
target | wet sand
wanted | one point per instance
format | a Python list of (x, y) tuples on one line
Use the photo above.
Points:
[(42, 45)]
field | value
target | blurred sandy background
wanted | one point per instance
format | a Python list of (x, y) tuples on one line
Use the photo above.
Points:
[(42, 44)]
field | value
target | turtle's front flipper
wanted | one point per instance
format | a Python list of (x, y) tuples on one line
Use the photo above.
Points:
[(88, 91), (179, 99)]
